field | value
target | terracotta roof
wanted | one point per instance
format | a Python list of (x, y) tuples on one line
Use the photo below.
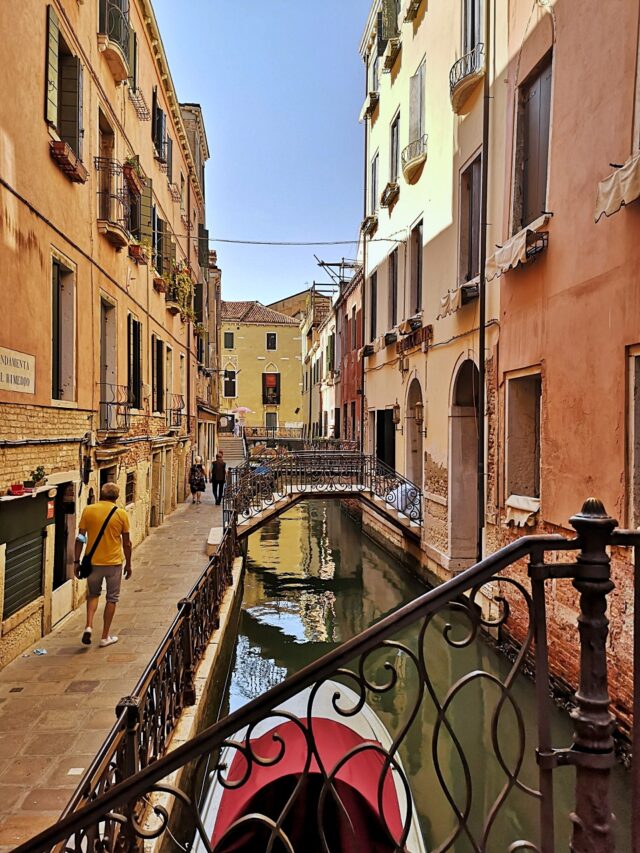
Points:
[(255, 312)]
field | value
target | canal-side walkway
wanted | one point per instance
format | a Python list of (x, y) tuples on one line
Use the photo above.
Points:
[(57, 708)]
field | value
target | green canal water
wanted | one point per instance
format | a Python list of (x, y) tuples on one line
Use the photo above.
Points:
[(313, 580)]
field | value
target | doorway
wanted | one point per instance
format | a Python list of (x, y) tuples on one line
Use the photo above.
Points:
[(108, 390), (463, 463), (386, 437), (413, 434), (63, 551)]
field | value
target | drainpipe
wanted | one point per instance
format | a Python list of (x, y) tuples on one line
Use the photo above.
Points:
[(483, 279), (364, 255)]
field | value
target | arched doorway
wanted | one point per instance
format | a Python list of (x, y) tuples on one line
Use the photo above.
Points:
[(413, 433), (463, 463)]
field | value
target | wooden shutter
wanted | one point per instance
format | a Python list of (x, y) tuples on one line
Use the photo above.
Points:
[(130, 356), (159, 406), (198, 302), (374, 306), (154, 372), (414, 106), (137, 364), (169, 159), (203, 246), (51, 77), (146, 213), (537, 108), (154, 115), (55, 331), (475, 192), (171, 250), (70, 108), (133, 59)]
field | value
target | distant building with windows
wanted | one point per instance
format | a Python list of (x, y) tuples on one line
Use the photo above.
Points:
[(260, 361)]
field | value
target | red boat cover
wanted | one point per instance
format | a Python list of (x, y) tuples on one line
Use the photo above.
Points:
[(357, 784)]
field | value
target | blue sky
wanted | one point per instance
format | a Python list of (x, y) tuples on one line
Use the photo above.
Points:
[(281, 84)]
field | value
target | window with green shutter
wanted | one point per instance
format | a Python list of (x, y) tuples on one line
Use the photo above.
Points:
[(146, 214), (63, 97)]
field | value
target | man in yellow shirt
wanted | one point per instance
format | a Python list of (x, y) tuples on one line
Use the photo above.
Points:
[(113, 548)]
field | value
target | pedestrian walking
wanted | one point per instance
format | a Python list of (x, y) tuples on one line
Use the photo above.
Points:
[(108, 546), (197, 480), (218, 477)]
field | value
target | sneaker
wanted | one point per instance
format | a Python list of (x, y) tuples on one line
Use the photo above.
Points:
[(108, 642), (86, 636)]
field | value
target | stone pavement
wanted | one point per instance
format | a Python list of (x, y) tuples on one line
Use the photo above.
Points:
[(56, 709)]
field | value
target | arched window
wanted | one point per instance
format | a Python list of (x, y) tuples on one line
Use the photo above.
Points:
[(271, 386)]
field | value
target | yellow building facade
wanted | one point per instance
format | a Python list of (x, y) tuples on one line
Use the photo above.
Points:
[(260, 358)]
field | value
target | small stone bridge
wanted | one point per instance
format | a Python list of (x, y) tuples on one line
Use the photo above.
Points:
[(263, 488)]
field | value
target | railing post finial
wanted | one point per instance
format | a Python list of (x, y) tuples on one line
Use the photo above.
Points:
[(592, 720)]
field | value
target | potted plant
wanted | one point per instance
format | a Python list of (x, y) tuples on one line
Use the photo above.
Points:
[(159, 282), (138, 251), (134, 175), (200, 330), (37, 478), (179, 294)]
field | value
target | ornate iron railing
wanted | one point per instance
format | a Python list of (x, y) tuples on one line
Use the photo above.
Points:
[(331, 444), (272, 432), (414, 151), (395, 668), (470, 63), (115, 407), (174, 410), (114, 22), (145, 720), (258, 485)]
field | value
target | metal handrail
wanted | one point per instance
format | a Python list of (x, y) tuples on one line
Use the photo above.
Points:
[(468, 64), (416, 148), (114, 22), (110, 816)]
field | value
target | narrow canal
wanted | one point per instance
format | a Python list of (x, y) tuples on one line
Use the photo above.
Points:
[(313, 581)]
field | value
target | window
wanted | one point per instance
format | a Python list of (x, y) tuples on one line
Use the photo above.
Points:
[(272, 340), (354, 337), (169, 149), (373, 290), (157, 374), (472, 25), (63, 333), (373, 72), (393, 288), (523, 435), (353, 419), (158, 128), (374, 185), (229, 385), (271, 420), (182, 187), (416, 104), (63, 104), (416, 269), (228, 340), (130, 488), (534, 109), (470, 191), (394, 167), (134, 361), (271, 389)]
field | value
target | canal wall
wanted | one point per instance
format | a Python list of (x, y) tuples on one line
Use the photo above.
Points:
[(209, 683)]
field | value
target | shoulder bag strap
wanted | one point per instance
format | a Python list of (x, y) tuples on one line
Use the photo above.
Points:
[(99, 536)]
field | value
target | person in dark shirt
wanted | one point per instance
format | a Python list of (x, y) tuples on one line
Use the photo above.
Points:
[(218, 476)]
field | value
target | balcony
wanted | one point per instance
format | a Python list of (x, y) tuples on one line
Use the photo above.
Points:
[(391, 53), (112, 202), (115, 408), (139, 103), (411, 12), (174, 410), (113, 37), (134, 175), (413, 157), (464, 75), (370, 105), (68, 162), (390, 194), (369, 225)]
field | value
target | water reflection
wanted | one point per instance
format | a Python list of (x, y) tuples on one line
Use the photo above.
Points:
[(312, 582)]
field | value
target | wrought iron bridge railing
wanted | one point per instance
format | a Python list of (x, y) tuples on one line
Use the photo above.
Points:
[(116, 403), (272, 432), (257, 485), (470, 63), (399, 668)]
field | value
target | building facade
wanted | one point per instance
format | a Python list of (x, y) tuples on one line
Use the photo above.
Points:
[(102, 198), (348, 311), (260, 362)]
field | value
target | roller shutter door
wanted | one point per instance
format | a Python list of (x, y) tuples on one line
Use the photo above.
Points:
[(23, 572)]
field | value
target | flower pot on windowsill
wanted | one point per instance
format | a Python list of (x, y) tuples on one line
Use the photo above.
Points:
[(159, 284), (16, 489), (138, 253), (136, 183)]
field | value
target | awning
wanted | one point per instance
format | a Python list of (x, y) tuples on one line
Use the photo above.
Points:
[(450, 302), (514, 251), (207, 413), (521, 511), (620, 188)]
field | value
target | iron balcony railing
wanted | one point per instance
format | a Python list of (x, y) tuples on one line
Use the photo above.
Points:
[(174, 410), (112, 197), (116, 402), (114, 23), (414, 151), (470, 63), (396, 668), (253, 488)]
